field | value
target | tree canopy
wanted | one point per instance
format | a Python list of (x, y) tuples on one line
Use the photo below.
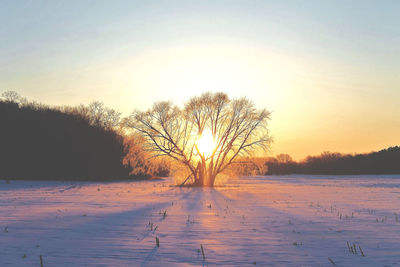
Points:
[(236, 126)]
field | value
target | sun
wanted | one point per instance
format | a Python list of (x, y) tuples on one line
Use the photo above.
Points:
[(206, 143)]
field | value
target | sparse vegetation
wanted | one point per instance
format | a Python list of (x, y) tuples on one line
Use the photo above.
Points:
[(163, 213), (353, 249)]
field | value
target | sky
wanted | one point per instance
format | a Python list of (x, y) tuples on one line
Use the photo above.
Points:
[(329, 71)]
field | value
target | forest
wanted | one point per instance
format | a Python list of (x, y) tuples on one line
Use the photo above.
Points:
[(59, 143)]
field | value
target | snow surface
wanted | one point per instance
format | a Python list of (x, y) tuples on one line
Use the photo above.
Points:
[(293, 220)]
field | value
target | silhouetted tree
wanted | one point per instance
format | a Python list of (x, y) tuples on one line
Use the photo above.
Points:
[(97, 114), (284, 158), (11, 96), (236, 126), (281, 164)]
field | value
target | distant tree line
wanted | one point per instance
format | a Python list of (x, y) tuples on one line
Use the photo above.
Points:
[(386, 161), (71, 143)]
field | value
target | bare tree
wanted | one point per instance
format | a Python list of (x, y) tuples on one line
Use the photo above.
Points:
[(236, 126), (97, 114), (102, 116), (140, 161), (11, 96), (284, 158), (249, 166)]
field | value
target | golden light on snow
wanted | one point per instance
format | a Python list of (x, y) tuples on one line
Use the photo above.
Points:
[(206, 143)]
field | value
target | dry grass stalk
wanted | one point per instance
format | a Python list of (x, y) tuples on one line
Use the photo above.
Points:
[(348, 246), (362, 252), (333, 263), (202, 251)]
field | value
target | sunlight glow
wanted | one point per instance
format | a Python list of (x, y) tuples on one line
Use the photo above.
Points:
[(206, 143)]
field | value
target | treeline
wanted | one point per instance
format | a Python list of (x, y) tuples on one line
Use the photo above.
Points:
[(69, 143), (89, 143), (386, 161)]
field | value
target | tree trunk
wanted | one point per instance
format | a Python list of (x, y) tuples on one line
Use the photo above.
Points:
[(199, 175), (204, 176), (209, 180), (210, 177)]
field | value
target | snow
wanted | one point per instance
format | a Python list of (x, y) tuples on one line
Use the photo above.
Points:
[(294, 220)]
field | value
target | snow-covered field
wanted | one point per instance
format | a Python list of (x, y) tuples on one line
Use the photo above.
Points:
[(267, 221)]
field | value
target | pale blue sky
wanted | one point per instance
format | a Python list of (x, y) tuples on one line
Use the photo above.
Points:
[(327, 69)]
